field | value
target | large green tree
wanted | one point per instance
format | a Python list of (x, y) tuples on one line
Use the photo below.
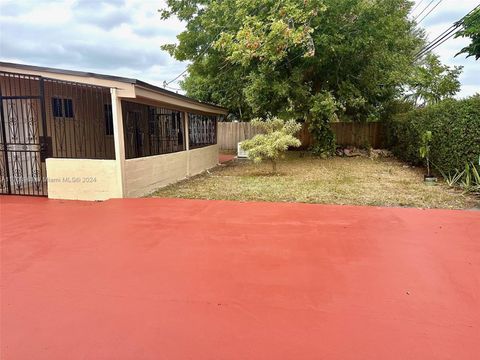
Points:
[(304, 59), (470, 27), (431, 81)]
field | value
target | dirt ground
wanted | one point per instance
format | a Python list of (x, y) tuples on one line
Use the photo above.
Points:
[(337, 180)]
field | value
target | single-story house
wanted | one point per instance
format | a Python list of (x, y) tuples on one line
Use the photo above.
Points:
[(77, 135)]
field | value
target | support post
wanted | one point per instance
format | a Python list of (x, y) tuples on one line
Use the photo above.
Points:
[(187, 141), (119, 142)]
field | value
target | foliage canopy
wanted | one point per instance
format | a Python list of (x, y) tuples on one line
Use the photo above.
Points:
[(289, 58), (470, 27), (431, 81)]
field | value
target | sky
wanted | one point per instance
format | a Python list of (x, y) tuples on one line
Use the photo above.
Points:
[(123, 37)]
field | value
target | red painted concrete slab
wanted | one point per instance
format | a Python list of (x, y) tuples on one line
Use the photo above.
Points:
[(223, 158), (181, 279)]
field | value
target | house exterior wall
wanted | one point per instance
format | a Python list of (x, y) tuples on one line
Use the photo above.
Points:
[(82, 179), (77, 167)]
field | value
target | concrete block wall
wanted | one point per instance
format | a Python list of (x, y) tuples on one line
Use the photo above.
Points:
[(82, 179), (145, 175), (85, 179), (202, 159)]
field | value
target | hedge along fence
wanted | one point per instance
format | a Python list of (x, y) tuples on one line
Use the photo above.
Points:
[(455, 127), (346, 133)]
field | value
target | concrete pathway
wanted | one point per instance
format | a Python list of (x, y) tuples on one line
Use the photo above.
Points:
[(224, 158)]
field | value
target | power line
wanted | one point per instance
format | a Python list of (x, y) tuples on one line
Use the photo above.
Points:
[(436, 44), (416, 6), (445, 35), (423, 18), (166, 83), (425, 8)]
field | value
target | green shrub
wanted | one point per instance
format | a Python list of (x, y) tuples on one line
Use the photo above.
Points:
[(278, 136), (455, 128), (322, 112)]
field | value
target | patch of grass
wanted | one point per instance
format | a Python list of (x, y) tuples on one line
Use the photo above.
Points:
[(337, 180)]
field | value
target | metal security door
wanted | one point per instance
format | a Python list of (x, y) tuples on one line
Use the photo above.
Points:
[(23, 135)]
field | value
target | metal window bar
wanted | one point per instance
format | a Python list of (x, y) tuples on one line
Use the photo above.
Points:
[(202, 130), (151, 130), (81, 131)]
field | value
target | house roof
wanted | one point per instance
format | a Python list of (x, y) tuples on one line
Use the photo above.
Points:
[(107, 77)]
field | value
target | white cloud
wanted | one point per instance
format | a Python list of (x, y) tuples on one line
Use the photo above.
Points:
[(118, 37)]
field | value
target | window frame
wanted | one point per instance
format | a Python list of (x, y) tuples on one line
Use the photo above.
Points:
[(64, 114)]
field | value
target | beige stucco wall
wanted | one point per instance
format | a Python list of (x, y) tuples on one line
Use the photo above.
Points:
[(82, 179), (202, 159), (145, 175)]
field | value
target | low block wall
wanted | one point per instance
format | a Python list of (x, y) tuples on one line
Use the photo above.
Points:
[(203, 159), (145, 175), (82, 179)]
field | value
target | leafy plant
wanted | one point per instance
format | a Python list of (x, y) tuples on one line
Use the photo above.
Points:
[(471, 181), (455, 127), (277, 138), (452, 178), (425, 149), (468, 179), (322, 112), (476, 178), (470, 27)]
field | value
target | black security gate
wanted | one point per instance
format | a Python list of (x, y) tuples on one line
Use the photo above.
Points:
[(44, 117), (23, 136)]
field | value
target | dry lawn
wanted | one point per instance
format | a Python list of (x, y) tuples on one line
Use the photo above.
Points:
[(337, 180)]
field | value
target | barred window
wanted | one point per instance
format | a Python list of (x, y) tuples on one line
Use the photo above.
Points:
[(62, 107), (202, 130), (151, 130)]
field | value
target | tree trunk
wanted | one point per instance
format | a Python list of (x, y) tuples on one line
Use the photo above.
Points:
[(274, 166)]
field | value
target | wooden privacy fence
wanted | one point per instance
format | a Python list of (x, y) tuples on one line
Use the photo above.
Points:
[(346, 133)]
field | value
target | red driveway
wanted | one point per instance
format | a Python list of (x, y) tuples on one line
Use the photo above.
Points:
[(181, 279)]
